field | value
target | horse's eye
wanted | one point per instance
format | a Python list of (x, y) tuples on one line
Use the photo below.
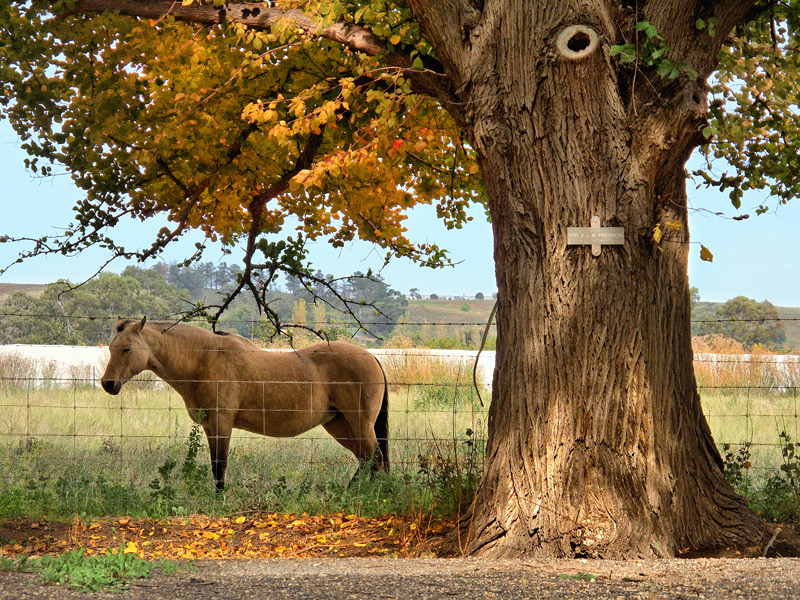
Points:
[(126, 350)]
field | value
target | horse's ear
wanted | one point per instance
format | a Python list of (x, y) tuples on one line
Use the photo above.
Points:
[(138, 326)]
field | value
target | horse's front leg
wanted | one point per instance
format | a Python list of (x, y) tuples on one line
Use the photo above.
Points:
[(219, 440)]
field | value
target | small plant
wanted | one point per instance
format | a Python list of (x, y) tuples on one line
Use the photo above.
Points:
[(791, 462), (652, 53), (110, 571), (579, 576), (737, 467), (453, 478), (193, 474), (173, 483), (776, 499)]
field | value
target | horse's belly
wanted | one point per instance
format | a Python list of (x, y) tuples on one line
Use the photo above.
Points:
[(284, 423)]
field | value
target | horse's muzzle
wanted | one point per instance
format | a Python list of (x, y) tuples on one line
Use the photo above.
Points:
[(111, 386)]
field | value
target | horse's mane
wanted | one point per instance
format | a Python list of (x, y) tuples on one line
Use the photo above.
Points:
[(185, 331)]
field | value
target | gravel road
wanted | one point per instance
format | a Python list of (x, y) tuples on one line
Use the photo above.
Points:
[(423, 579)]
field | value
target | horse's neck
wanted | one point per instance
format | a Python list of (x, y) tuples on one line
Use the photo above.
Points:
[(174, 356)]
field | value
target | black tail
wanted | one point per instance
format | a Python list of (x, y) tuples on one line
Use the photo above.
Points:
[(382, 422)]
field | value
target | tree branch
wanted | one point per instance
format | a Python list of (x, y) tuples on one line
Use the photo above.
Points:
[(256, 209), (432, 81)]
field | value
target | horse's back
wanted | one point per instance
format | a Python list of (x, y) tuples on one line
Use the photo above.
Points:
[(341, 362)]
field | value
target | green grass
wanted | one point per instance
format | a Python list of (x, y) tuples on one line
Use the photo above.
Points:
[(738, 416), (81, 451)]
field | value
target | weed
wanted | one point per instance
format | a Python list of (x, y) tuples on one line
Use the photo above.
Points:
[(737, 467), (193, 474), (453, 477), (579, 576), (776, 498), (110, 571), (791, 462), (190, 480), (779, 499)]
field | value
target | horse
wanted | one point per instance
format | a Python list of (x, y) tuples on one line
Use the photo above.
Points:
[(228, 382)]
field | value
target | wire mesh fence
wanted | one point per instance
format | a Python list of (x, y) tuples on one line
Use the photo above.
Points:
[(67, 447)]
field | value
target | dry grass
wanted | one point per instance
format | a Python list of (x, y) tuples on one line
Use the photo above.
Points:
[(724, 364)]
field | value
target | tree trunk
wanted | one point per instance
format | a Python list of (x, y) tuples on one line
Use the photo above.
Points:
[(597, 443)]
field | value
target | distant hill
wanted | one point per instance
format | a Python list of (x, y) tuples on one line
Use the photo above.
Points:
[(454, 310), (34, 289), (792, 323)]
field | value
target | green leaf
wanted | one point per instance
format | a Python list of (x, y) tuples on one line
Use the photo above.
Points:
[(626, 52)]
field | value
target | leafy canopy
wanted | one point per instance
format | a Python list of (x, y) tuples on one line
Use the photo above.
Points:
[(320, 117), (242, 134), (754, 123)]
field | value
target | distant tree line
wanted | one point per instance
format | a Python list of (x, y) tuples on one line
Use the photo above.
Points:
[(68, 314), (359, 304)]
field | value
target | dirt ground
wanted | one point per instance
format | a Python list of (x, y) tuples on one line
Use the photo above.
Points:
[(422, 579), (343, 556)]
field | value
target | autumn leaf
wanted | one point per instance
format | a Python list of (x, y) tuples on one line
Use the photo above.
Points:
[(705, 254), (657, 234)]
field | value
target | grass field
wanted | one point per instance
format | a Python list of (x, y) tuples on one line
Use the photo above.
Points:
[(77, 450), (80, 450)]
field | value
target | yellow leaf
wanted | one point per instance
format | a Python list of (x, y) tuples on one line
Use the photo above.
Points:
[(301, 176), (705, 254), (240, 520), (657, 234), (395, 39), (675, 225), (131, 548)]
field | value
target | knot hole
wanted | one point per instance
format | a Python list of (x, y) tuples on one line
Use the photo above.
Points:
[(577, 41)]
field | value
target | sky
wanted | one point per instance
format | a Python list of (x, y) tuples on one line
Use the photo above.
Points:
[(757, 258)]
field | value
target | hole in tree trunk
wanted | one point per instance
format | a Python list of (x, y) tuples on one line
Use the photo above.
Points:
[(577, 41)]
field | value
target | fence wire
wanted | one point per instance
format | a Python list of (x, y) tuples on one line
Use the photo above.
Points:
[(66, 446)]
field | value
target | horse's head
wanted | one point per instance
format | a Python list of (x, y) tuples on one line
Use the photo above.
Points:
[(129, 355)]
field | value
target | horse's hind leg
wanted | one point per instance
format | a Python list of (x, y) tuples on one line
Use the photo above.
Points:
[(363, 444), (218, 443)]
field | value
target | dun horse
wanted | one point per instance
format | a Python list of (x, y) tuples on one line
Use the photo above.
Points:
[(231, 383)]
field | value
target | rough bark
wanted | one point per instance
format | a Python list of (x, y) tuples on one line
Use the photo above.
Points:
[(597, 442)]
